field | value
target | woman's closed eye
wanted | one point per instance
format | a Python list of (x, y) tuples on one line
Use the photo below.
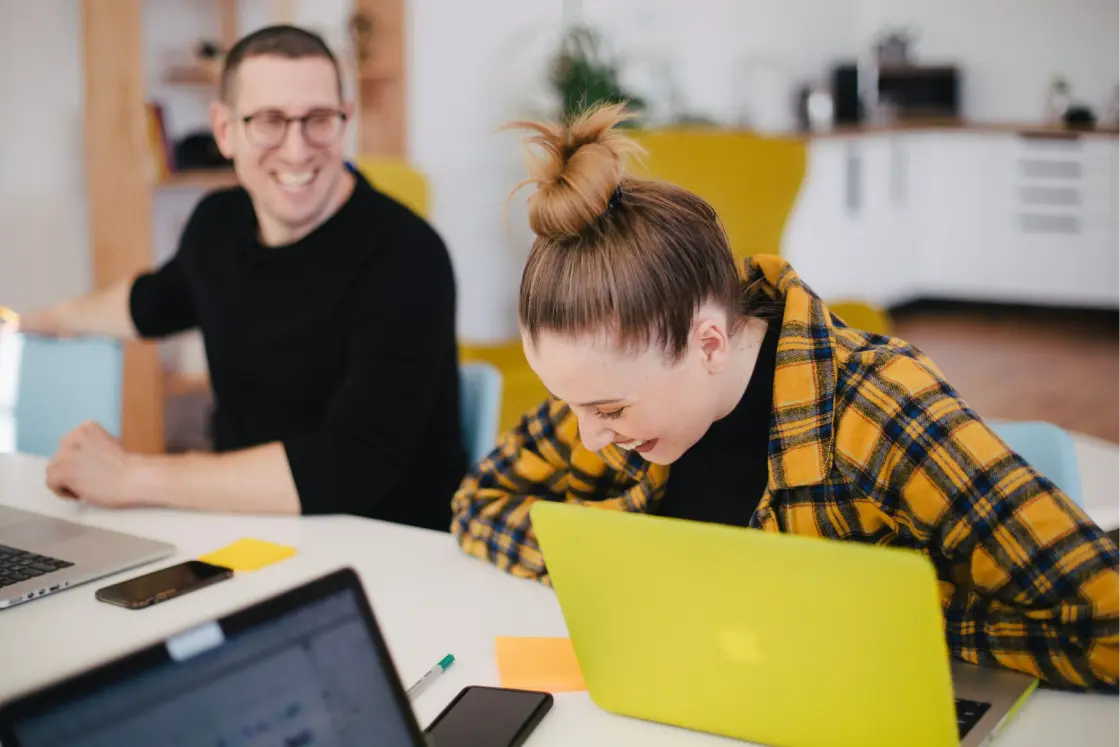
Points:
[(609, 414)]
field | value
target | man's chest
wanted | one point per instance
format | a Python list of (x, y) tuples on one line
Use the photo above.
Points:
[(275, 328)]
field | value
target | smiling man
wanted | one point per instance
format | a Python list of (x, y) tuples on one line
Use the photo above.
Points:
[(327, 310)]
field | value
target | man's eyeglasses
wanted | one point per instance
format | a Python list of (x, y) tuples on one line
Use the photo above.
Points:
[(322, 128)]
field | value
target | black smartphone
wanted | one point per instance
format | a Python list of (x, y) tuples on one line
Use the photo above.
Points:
[(166, 583), (489, 717)]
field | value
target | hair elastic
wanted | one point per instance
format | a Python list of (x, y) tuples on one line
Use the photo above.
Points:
[(615, 200)]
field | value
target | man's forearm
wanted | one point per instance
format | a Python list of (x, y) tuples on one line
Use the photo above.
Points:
[(103, 312), (256, 480)]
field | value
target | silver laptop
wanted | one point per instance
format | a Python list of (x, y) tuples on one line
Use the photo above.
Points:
[(40, 555)]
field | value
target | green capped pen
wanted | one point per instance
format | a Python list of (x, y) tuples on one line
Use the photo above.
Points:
[(431, 674)]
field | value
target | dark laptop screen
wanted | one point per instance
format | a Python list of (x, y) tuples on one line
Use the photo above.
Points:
[(312, 676)]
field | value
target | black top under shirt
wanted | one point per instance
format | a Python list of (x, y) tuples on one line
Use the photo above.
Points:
[(341, 346), (721, 479)]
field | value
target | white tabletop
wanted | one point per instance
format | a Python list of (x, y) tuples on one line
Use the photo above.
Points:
[(429, 599)]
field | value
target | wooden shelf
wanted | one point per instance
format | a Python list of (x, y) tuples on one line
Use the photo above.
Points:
[(199, 75), (200, 179), (179, 384), (382, 80), (375, 77), (372, 69)]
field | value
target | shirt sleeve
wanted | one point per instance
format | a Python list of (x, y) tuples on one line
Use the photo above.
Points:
[(1028, 580), (490, 511), (402, 339), (161, 301)]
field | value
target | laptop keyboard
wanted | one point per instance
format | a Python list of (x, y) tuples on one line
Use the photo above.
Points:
[(19, 565), (969, 712)]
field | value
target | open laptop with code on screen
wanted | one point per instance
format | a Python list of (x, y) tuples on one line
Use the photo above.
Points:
[(308, 667)]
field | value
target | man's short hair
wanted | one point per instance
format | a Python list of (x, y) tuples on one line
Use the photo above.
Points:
[(287, 41)]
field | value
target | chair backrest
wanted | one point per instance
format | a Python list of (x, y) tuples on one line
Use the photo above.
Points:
[(862, 316), (480, 404), (61, 384), (751, 180), (397, 179), (1047, 448)]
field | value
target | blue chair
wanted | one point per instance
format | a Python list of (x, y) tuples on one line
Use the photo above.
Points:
[(480, 407), (60, 385), (1049, 449)]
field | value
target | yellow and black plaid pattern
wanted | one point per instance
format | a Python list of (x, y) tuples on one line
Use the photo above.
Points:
[(869, 443)]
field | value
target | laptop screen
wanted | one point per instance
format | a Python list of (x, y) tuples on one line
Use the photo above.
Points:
[(311, 676)]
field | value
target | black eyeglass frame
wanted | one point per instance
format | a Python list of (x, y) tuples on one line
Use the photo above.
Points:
[(248, 119)]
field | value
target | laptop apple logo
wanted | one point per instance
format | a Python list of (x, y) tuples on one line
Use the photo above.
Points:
[(741, 646)]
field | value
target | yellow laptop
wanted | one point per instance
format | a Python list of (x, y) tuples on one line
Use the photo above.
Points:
[(776, 639)]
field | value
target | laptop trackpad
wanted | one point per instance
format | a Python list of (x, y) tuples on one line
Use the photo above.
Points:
[(42, 531)]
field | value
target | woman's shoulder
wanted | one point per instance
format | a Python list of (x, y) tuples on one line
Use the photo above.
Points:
[(884, 375)]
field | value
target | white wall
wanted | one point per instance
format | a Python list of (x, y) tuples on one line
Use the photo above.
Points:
[(473, 67), (723, 57), (1009, 51), (476, 65), (44, 245)]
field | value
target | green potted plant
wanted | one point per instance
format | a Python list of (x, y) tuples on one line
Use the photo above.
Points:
[(583, 75)]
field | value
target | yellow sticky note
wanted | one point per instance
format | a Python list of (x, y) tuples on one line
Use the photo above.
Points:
[(543, 664), (249, 554)]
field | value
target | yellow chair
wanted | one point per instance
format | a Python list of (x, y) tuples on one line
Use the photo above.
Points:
[(397, 179), (751, 180), (862, 316)]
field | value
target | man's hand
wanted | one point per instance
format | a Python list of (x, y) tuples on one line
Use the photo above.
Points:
[(45, 323), (102, 312), (92, 466), (9, 321)]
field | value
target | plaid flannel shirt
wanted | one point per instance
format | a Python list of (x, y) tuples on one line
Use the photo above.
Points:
[(868, 443)]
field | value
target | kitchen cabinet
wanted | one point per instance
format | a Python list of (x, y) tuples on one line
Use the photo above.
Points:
[(890, 217), (1060, 226), (821, 239), (964, 215), (890, 239), (851, 232)]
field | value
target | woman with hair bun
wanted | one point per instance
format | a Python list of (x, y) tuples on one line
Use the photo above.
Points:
[(686, 386)]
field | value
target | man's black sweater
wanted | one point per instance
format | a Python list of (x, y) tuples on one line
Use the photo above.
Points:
[(341, 346)]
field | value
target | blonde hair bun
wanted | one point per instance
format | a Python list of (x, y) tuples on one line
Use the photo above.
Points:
[(577, 169)]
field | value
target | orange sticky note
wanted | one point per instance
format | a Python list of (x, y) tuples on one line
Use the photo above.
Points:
[(543, 664)]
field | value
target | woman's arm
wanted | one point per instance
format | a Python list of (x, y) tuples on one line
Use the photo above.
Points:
[(1029, 581), (490, 511)]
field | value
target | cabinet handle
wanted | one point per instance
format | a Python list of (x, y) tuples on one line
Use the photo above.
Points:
[(1050, 224), (1040, 169), (1050, 196), (853, 178), (898, 172)]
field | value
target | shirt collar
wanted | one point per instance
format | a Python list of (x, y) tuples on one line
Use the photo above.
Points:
[(802, 432)]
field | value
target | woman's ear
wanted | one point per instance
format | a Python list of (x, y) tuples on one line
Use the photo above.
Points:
[(712, 343)]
